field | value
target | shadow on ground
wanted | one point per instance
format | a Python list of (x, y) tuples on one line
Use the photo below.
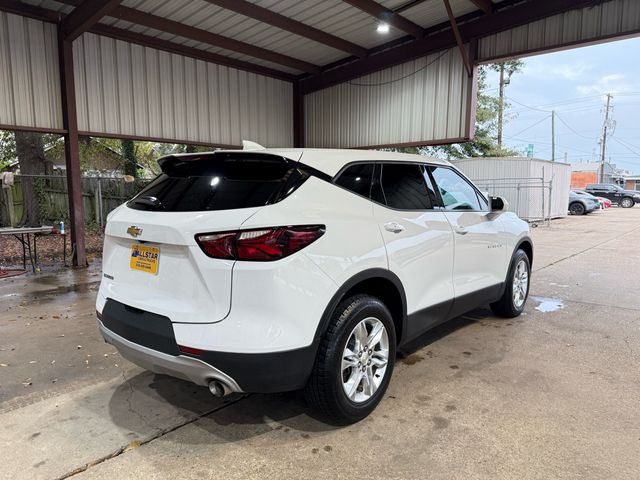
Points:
[(238, 417)]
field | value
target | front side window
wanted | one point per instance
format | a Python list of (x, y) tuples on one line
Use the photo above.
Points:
[(357, 178), (456, 192), (403, 187)]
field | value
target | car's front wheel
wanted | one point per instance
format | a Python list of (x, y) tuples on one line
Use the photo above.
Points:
[(516, 289), (627, 202), (355, 361), (577, 208)]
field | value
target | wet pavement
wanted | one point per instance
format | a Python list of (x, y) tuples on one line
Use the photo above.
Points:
[(551, 394)]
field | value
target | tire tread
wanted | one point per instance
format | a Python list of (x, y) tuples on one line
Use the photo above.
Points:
[(318, 391)]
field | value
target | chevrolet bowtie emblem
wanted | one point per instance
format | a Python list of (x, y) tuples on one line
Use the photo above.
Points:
[(134, 231)]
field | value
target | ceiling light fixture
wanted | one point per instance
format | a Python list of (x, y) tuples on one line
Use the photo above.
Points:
[(382, 28)]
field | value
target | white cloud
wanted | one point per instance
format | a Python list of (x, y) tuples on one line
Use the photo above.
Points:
[(612, 83)]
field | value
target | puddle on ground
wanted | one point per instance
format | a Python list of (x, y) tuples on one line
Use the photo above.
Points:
[(47, 280), (546, 305)]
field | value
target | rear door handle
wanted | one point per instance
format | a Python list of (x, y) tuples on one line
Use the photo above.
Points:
[(461, 230), (393, 227)]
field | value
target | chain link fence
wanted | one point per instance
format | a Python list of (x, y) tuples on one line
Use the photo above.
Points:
[(532, 199)]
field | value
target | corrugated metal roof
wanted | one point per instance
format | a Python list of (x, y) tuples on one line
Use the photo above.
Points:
[(335, 17), (582, 25)]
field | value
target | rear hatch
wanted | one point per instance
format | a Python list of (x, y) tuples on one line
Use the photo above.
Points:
[(151, 260)]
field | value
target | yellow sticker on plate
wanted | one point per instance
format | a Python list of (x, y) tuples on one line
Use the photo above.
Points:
[(144, 258)]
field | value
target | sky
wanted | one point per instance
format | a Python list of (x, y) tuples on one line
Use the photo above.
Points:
[(574, 83)]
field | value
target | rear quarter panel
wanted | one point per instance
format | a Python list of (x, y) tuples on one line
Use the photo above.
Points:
[(352, 241)]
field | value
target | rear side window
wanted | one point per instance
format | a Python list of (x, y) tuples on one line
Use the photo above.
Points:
[(357, 179), (403, 187), (219, 183)]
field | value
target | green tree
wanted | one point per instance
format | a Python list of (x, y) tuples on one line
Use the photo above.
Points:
[(485, 142), (7, 149), (30, 151), (130, 166)]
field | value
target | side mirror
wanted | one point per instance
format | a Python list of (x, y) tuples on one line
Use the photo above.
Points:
[(499, 204)]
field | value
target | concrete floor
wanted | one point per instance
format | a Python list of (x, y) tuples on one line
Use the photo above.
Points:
[(548, 395)]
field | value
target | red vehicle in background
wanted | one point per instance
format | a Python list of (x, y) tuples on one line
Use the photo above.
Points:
[(604, 202)]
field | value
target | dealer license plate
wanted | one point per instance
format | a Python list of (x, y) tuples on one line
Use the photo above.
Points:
[(144, 258)]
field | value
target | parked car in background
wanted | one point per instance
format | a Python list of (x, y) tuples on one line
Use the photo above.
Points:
[(617, 195), (274, 270), (602, 202), (581, 203)]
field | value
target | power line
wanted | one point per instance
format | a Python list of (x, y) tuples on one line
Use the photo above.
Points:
[(531, 126), (626, 146), (571, 128), (628, 143), (527, 106), (548, 143), (379, 84)]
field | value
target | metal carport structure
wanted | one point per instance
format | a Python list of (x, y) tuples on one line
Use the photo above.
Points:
[(280, 72)]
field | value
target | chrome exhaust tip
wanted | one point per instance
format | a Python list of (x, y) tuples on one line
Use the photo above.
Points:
[(218, 389)]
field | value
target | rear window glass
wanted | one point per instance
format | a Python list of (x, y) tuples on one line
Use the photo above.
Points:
[(213, 183), (404, 188), (357, 178)]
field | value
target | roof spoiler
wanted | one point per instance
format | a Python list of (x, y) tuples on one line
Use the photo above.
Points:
[(248, 145)]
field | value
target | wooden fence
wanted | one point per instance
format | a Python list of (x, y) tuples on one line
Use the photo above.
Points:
[(100, 195)]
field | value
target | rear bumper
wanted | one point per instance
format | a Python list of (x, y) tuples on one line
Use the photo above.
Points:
[(181, 366), (148, 340)]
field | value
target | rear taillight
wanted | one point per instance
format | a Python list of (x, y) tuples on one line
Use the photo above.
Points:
[(264, 244)]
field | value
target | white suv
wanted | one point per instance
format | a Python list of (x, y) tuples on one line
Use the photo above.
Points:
[(276, 270)]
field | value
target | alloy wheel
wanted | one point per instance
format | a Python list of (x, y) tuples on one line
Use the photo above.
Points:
[(520, 284), (364, 360)]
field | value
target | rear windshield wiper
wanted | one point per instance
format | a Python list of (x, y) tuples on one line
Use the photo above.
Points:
[(148, 201)]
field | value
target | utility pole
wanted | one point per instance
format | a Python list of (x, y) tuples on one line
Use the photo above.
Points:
[(553, 135), (604, 136), (501, 105)]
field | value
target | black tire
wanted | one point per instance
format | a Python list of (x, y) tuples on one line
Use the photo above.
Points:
[(627, 202), (325, 391), (577, 208), (506, 307)]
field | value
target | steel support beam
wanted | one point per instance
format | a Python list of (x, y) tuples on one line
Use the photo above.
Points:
[(18, 8), (45, 15), (267, 16), (85, 15), (388, 16), (472, 90), (486, 6), (186, 31), (71, 153), (408, 5), (198, 54), (457, 36), (502, 19)]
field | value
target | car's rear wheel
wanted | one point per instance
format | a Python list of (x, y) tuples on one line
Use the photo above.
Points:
[(576, 208), (516, 289), (627, 202), (355, 361)]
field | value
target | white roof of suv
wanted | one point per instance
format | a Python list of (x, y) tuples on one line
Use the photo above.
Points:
[(331, 161)]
